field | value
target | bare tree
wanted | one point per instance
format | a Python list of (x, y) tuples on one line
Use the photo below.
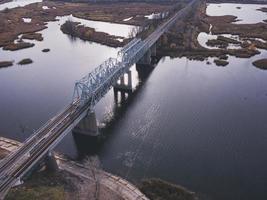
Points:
[(135, 31), (94, 165), (69, 27)]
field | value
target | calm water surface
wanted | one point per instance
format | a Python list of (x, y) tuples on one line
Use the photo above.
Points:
[(245, 13), (17, 3), (110, 28), (197, 125)]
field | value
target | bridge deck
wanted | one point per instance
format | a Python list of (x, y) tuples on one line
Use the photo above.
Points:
[(88, 91)]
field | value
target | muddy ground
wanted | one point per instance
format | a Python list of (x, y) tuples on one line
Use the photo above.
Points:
[(182, 38), (12, 24), (238, 1)]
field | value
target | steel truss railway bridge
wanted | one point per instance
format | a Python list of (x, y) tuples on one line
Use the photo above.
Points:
[(79, 114)]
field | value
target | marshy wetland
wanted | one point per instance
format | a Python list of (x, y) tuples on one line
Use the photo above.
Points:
[(188, 121)]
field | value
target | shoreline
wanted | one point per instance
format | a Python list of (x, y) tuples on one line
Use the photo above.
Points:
[(9, 32), (179, 43), (238, 2), (112, 186), (74, 179)]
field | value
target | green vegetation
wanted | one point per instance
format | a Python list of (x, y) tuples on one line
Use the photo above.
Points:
[(25, 61), (44, 186), (45, 50), (74, 29), (219, 62), (44, 193), (156, 189)]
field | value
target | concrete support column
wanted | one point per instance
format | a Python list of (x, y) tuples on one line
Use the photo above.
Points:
[(123, 87), (88, 125), (129, 76), (51, 163), (122, 80)]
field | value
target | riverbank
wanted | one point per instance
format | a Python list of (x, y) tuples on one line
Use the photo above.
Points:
[(182, 40), (34, 17), (162, 190), (76, 30), (72, 181), (86, 181)]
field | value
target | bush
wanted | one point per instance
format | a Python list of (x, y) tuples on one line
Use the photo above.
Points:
[(70, 27), (161, 190)]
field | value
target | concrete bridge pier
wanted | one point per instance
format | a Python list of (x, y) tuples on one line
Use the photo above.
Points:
[(88, 125), (147, 63), (150, 58), (124, 87), (51, 163)]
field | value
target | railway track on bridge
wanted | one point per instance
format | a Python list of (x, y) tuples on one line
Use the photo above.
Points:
[(29, 144), (93, 87)]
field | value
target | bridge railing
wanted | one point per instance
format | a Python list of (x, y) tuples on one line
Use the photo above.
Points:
[(95, 85), (128, 46)]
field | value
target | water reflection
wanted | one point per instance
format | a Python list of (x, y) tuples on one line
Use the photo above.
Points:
[(32, 94), (93, 145), (205, 126), (110, 28)]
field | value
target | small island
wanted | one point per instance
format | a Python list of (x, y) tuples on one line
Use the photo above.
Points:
[(261, 64), (18, 46), (220, 62), (45, 50), (5, 64), (25, 61)]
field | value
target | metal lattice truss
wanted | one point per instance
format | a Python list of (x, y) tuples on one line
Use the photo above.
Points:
[(91, 88)]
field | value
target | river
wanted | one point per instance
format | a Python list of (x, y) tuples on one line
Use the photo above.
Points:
[(194, 124)]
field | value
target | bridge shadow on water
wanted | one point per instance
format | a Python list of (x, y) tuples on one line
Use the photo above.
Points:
[(92, 145)]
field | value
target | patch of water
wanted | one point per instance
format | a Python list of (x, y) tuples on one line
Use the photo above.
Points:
[(17, 3), (48, 81), (247, 14), (121, 30), (204, 37)]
